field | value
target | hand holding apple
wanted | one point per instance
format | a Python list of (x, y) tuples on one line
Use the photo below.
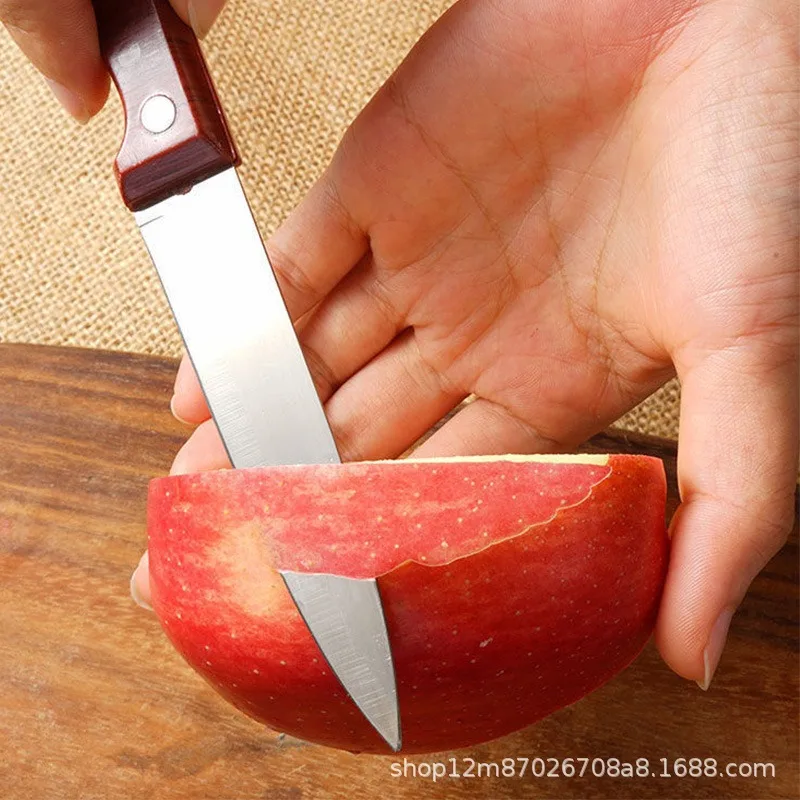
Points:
[(557, 207)]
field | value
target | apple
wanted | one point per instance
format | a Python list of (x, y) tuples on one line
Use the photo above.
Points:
[(512, 586)]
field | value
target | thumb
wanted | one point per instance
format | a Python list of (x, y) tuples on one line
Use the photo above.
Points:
[(737, 465), (60, 39)]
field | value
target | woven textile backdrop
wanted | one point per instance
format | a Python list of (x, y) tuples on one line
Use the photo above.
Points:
[(291, 73)]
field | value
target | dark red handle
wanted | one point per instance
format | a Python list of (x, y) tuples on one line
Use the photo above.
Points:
[(175, 133)]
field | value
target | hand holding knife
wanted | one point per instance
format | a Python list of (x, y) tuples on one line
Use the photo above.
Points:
[(177, 173)]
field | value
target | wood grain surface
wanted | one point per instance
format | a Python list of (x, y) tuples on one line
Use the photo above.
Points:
[(94, 702)]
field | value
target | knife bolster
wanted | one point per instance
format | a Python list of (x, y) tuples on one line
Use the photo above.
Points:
[(151, 52)]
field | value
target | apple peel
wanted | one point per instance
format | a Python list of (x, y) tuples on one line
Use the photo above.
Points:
[(512, 586)]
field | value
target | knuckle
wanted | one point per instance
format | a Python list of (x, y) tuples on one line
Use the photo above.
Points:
[(289, 274), (323, 376), (19, 15)]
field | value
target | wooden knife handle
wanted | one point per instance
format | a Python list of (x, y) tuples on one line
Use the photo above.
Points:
[(175, 131)]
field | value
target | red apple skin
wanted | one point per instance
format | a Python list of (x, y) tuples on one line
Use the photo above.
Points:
[(510, 588)]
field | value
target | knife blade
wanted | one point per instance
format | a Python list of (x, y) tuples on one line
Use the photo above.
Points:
[(177, 172)]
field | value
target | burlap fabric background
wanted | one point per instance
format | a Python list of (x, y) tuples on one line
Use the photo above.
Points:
[(291, 73)]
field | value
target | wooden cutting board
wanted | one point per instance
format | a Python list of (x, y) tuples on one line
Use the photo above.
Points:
[(94, 702)]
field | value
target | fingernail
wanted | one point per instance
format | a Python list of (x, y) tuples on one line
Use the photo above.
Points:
[(202, 14), (137, 598), (70, 101), (715, 646), (179, 464), (175, 413)]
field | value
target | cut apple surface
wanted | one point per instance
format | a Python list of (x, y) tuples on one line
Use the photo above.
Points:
[(512, 586)]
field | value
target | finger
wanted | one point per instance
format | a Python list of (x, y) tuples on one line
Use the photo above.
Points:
[(348, 329), (315, 248), (311, 252), (60, 39), (378, 413), (200, 14), (188, 404), (344, 333), (485, 428), (140, 583), (737, 461), (202, 452), (383, 409)]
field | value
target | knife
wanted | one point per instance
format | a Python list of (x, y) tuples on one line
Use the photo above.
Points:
[(176, 170)]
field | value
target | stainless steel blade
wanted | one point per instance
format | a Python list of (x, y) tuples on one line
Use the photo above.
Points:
[(219, 282), (338, 614), (227, 303)]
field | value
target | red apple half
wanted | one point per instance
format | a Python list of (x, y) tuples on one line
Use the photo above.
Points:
[(512, 586)]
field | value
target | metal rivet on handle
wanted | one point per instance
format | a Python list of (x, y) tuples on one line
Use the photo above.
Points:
[(158, 113)]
